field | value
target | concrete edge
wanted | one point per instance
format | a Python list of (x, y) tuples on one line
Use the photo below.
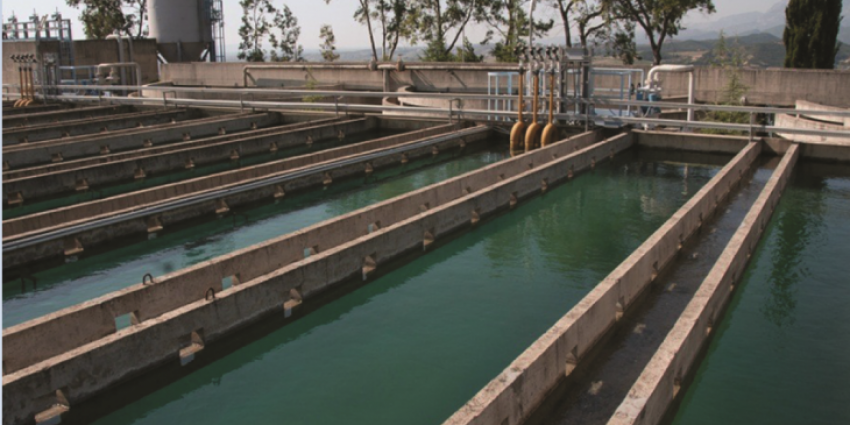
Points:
[(514, 394), (661, 380), (144, 346), (79, 324), (51, 219)]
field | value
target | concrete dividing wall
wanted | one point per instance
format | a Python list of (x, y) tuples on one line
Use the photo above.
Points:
[(288, 124), (410, 224), (92, 126), (119, 204), (661, 380), (121, 227), (51, 117), (87, 145), (181, 287), (513, 395), (175, 156), (775, 87)]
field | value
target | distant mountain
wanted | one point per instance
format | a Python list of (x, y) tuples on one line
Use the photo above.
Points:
[(761, 50), (771, 21)]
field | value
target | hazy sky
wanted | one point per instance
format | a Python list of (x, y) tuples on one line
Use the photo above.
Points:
[(312, 14)]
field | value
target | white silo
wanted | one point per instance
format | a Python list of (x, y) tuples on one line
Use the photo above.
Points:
[(187, 23)]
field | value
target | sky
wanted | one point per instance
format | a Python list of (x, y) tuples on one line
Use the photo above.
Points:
[(312, 14)]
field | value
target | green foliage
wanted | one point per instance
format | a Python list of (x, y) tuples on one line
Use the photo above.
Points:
[(101, 17), (622, 44), (436, 52), (660, 19), (729, 57), (508, 19), (255, 28), (311, 85), (811, 33), (467, 53), (282, 33), (284, 41), (328, 45)]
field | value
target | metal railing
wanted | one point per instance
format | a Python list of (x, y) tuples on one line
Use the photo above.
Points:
[(450, 112)]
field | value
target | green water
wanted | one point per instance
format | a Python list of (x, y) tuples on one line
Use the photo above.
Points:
[(416, 343), (99, 272), (104, 191), (782, 351)]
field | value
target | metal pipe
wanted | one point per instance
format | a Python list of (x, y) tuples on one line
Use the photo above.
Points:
[(338, 93), (135, 66), (652, 81)]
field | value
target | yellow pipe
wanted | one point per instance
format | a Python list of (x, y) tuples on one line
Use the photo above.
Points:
[(20, 101), (518, 130), (532, 135), (550, 132)]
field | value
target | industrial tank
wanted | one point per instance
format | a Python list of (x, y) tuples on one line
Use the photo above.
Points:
[(185, 21)]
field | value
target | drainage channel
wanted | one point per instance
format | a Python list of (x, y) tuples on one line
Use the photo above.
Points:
[(780, 352), (104, 191), (592, 394), (460, 314), (115, 266)]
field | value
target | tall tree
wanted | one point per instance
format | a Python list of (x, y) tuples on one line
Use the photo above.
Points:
[(364, 14), (591, 21), (438, 19), (328, 45), (100, 17), (137, 18), (284, 41), (255, 28), (508, 19), (660, 19), (811, 33), (622, 42), (397, 22)]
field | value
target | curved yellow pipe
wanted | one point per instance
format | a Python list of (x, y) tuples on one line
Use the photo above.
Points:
[(532, 135), (518, 130), (550, 132)]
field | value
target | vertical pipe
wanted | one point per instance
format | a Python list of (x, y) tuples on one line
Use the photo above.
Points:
[(691, 96)]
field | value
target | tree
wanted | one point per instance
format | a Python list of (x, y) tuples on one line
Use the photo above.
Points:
[(363, 14), (138, 18), (437, 19), (255, 28), (467, 53), (508, 19), (811, 33), (730, 58), (590, 22), (397, 22), (285, 47), (660, 19), (622, 44), (588, 14), (328, 45), (100, 17)]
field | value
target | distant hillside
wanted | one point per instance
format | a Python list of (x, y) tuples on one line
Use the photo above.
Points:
[(761, 50), (771, 21)]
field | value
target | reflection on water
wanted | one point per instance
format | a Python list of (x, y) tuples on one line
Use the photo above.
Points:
[(205, 238), (413, 345), (781, 352)]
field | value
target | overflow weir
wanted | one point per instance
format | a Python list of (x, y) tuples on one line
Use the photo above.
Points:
[(202, 257)]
